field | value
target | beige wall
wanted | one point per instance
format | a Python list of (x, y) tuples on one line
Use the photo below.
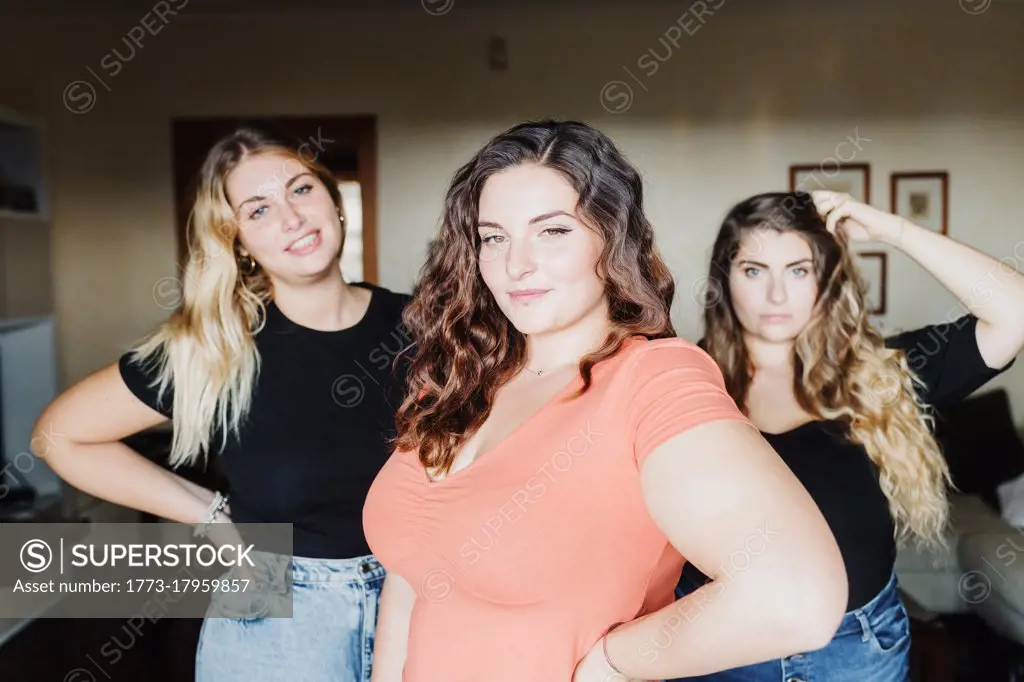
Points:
[(26, 282), (740, 99)]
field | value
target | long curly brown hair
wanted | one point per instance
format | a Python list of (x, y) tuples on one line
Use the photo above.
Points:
[(843, 370), (463, 348)]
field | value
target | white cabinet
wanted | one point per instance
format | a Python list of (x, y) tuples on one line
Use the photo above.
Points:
[(28, 382)]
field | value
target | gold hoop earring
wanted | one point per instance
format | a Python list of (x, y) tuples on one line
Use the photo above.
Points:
[(248, 267)]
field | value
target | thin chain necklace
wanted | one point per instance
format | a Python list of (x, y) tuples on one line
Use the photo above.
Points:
[(541, 372)]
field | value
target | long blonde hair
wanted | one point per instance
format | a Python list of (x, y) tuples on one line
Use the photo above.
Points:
[(843, 370), (205, 351)]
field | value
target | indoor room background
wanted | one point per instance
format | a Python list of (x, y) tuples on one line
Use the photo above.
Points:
[(711, 105), (713, 100)]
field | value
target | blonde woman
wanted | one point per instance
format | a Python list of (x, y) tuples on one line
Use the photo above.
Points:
[(282, 369), (846, 409)]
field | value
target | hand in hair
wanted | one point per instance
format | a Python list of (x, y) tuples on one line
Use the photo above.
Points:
[(858, 221)]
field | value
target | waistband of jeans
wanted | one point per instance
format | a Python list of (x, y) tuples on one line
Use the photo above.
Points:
[(356, 569), (887, 597), (315, 570)]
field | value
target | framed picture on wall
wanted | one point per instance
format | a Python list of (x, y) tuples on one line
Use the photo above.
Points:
[(922, 197), (852, 178), (874, 267)]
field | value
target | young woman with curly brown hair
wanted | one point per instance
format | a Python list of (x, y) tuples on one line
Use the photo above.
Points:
[(560, 451)]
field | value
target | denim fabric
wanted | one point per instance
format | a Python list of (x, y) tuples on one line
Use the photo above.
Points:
[(872, 643), (328, 638)]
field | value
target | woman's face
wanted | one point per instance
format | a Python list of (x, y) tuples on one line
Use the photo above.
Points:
[(537, 257), (773, 284), (288, 222)]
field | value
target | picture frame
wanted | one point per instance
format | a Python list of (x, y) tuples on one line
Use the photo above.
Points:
[(922, 197), (874, 268), (851, 178)]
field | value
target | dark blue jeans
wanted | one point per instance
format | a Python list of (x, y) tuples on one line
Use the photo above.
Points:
[(872, 644)]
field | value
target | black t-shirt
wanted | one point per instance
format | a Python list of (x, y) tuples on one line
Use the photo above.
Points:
[(319, 426), (842, 479)]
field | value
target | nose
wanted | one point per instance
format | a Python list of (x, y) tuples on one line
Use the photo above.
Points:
[(777, 290), (519, 261), (291, 218)]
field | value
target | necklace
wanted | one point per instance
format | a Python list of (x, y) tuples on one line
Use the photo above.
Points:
[(541, 372)]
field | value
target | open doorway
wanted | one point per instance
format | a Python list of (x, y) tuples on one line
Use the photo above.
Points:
[(346, 145), (353, 254)]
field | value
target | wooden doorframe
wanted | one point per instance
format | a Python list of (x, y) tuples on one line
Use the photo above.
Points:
[(344, 141)]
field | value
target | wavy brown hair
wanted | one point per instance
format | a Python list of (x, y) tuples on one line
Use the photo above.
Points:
[(463, 347), (843, 370)]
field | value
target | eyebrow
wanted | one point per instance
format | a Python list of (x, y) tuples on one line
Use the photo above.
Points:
[(768, 267), (536, 219), (260, 197)]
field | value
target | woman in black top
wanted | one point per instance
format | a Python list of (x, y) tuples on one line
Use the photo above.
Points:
[(284, 370), (845, 408)]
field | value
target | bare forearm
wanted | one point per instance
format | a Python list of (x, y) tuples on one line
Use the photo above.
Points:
[(198, 491), (991, 289), (116, 473), (392, 636), (736, 620)]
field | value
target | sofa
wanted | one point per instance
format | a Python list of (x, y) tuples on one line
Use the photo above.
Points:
[(982, 569)]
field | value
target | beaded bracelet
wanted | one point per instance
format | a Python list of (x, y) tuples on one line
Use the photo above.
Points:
[(216, 506)]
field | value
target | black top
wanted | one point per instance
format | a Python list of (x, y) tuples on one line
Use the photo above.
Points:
[(318, 428), (842, 479)]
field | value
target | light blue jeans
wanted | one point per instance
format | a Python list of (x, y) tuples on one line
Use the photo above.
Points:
[(328, 638), (871, 645)]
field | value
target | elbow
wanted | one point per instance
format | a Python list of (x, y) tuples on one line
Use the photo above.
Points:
[(819, 608), (46, 443), (811, 594), (37, 443), (820, 587), (821, 621)]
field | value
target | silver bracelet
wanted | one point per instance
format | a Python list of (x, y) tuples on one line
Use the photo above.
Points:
[(216, 506), (604, 648)]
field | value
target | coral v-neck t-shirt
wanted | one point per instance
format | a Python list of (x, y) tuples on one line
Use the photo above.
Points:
[(524, 558)]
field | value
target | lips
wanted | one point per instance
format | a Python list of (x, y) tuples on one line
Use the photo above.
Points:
[(306, 243), (527, 295)]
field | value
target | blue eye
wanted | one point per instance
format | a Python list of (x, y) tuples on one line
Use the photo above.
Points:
[(256, 214), (801, 271), (489, 239), (304, 189), (751, 271)]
